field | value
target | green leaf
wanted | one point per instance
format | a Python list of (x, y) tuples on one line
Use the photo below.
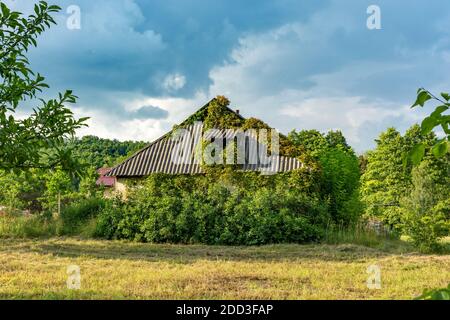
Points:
[(5, 10), (405, 160), (440, 149), (445, 95), (422, 97), (417, 153), (438, 111), (428, 124)]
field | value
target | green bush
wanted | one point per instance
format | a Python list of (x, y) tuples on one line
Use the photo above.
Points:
[(426, 208), (229, 210), (109, 218), (426, 230)]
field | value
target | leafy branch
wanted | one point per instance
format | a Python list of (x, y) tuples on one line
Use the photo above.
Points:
[(36, 141), (436, 119)]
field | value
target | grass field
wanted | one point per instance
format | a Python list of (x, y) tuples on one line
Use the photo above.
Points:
[(36, 269)]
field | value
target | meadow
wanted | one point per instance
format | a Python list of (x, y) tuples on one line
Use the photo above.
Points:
[(37, 269)]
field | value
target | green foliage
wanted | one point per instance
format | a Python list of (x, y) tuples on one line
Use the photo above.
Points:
[(341, 185), (220, 116), (21, 190), (78, 218), (436, 119), (97, 152), (37, 140), (336, 139), (38, 190), (109, 219), (339, 169), (362, 159), (10, 189), (435, 294), (59, 188), (215, 209), (411, 200), (87, 186), (385, 180), (312, 141), (426, 206)]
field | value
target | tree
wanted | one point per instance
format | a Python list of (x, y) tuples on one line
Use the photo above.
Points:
[(341, 184), (87, 186), (388, 178), (59, 188), (38, 140), (21, 190), (362, 163), (436, 119), (313, 142), (336, 139), (426, 206), (385, 179), (339, 171), (97, 152), (10, 191)]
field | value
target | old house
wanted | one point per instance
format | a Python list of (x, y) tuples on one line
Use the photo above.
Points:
[(213, 122)]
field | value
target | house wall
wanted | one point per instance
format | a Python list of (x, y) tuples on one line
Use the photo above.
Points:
[(120, 187), (123, 185)]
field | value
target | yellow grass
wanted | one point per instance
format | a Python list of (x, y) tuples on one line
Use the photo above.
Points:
[(36, 269)]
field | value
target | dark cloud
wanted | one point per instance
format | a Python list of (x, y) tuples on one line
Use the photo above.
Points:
[(149, 112)]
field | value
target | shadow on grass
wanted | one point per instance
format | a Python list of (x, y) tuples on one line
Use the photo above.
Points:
[(73, 247)]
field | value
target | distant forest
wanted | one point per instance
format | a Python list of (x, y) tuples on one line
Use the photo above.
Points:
[(97, 152)]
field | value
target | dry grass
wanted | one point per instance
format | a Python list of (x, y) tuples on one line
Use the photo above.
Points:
[(36, 269)]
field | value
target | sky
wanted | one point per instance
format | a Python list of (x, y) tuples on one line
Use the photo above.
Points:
[(141, 66)]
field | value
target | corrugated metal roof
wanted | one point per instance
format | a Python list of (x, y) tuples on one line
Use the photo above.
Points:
[(157, 158)]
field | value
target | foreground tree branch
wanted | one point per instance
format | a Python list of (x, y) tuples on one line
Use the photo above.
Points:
[(38, 140)]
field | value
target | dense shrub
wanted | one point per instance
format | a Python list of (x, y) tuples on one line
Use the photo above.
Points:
[(426, 208), (340, 183), (225, 211), (339, 169), (77, 214), (108, 219)]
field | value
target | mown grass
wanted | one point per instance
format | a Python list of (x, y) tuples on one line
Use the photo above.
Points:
[(36, 269)]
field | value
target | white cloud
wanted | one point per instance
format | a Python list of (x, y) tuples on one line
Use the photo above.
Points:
[(110, 126), (350, 114), (122, 126), (308, 100), (174, 82)]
